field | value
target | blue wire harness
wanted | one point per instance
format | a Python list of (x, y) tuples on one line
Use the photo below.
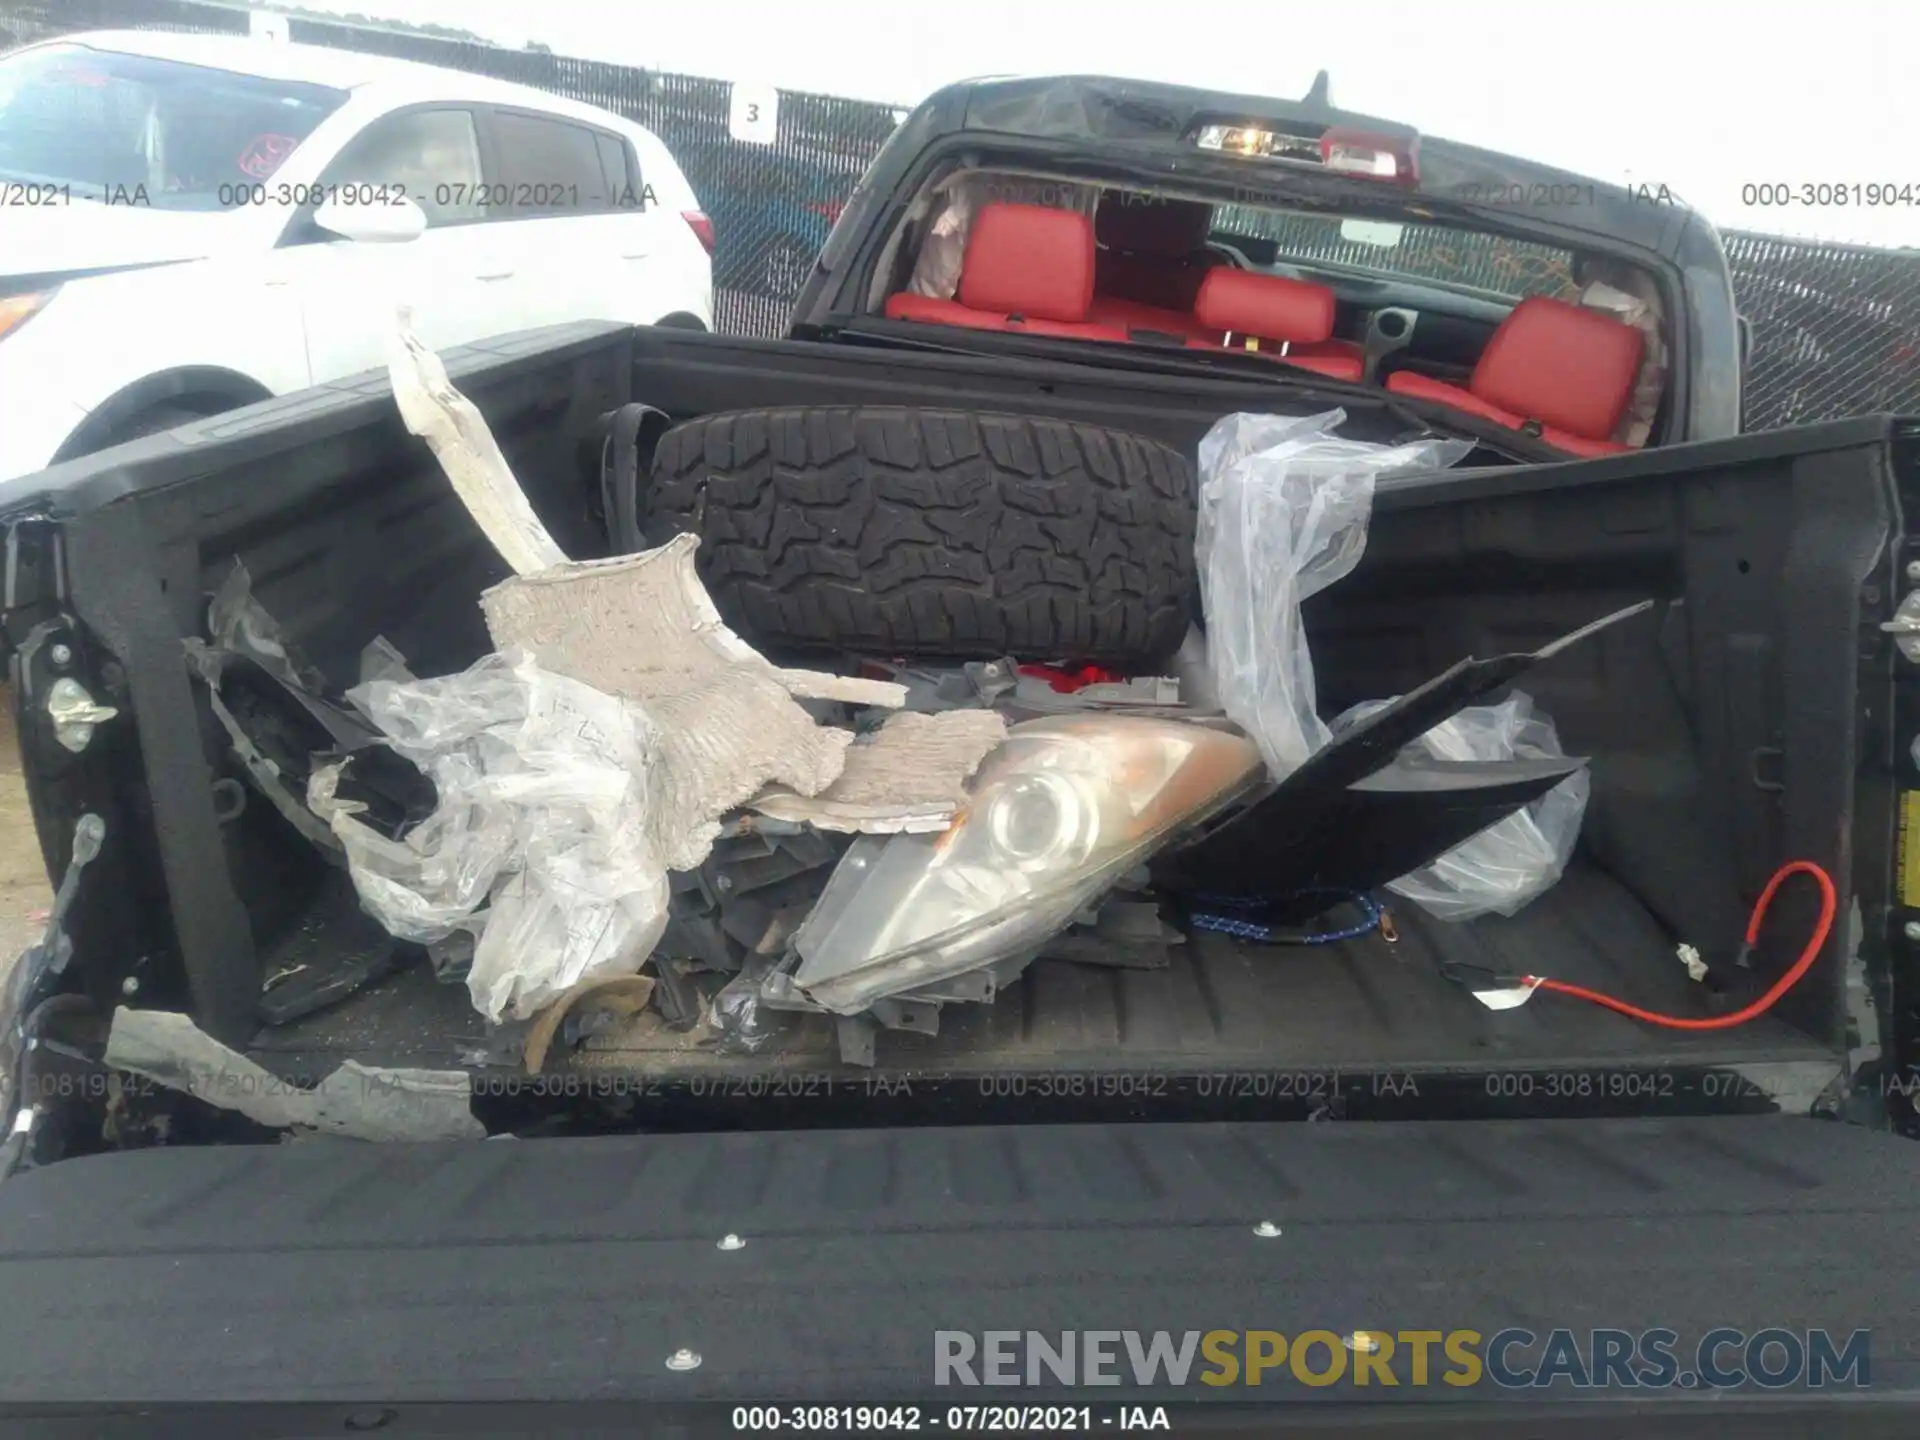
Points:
[(1249, 919)]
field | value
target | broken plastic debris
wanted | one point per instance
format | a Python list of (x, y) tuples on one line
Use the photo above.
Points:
[(381, 660), (359, 1102), (1193, 673), (545, 801), (1508, 865), (451, 956), (736, 1014), (248, 642), (242, 625), (722, 723), (460, 440), (908, 776), (624, 995)]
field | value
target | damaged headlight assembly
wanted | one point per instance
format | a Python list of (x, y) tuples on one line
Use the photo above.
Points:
[(1064, 808)]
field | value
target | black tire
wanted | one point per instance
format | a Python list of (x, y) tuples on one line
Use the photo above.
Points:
[(151, 421), (157, 421), (934, 533)]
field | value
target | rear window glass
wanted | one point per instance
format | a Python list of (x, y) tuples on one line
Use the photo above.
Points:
[(144, 131), (1441, 254)]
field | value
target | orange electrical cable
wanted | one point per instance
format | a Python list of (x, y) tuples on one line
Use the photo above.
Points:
[(1829, 904)]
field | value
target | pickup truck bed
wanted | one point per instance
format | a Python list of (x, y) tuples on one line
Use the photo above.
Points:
[(1742, 723), (1301, 1016)]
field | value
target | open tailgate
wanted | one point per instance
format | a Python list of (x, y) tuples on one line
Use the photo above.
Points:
[(573, 1269)]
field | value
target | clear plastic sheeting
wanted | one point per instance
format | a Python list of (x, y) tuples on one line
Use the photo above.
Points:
[(543, 791), (744, 1024), (1284, 506), (1630, 294), (1509, 864)]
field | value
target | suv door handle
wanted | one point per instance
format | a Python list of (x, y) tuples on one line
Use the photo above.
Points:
[(496, 275)]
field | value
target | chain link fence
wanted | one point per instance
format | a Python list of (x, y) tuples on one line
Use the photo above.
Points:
[(1836, 328)]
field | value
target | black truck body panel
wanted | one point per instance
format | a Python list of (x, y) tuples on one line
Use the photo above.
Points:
[(566, 1269)]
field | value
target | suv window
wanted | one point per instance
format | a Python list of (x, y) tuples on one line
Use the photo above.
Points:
[(554, 167), (617, 164), (131, 128), (434, 154)]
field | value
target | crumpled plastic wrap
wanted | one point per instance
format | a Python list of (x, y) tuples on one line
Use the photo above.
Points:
[(543, 787), (1630, 294), (1284, 506), (1509, 864), (744, 1024)]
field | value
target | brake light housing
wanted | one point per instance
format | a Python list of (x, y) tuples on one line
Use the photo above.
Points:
[(702, 226), (1256, 143), (1371, 157), (1393, 159)]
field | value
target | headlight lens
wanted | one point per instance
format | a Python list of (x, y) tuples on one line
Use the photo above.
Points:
[(1063, 808), (15, 310)]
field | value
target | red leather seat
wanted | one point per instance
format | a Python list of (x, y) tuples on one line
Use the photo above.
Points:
[(1237, 306), (1128, 316), (1028, 269), (1570, 369), (1151, 261)]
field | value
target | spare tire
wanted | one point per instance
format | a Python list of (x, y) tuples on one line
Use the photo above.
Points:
[(934, 533)]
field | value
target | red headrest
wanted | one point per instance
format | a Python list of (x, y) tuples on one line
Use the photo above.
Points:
[(1562, 365), (1030, 261), (1271, 307)]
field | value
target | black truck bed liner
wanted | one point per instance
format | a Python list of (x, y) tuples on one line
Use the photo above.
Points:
[(1302, 1014), (1742, 724)]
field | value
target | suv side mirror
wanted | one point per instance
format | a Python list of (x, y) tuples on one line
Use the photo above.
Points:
[(387, 223)]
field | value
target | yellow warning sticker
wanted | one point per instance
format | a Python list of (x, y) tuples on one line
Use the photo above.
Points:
[(1910, 849)]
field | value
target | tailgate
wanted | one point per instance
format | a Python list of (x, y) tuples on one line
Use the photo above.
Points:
[(573, 1269)]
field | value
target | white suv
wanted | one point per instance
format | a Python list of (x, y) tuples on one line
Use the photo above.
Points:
[(189, 223)]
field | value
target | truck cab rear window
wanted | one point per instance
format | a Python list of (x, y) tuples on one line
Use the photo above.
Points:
[(1514, 269)]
